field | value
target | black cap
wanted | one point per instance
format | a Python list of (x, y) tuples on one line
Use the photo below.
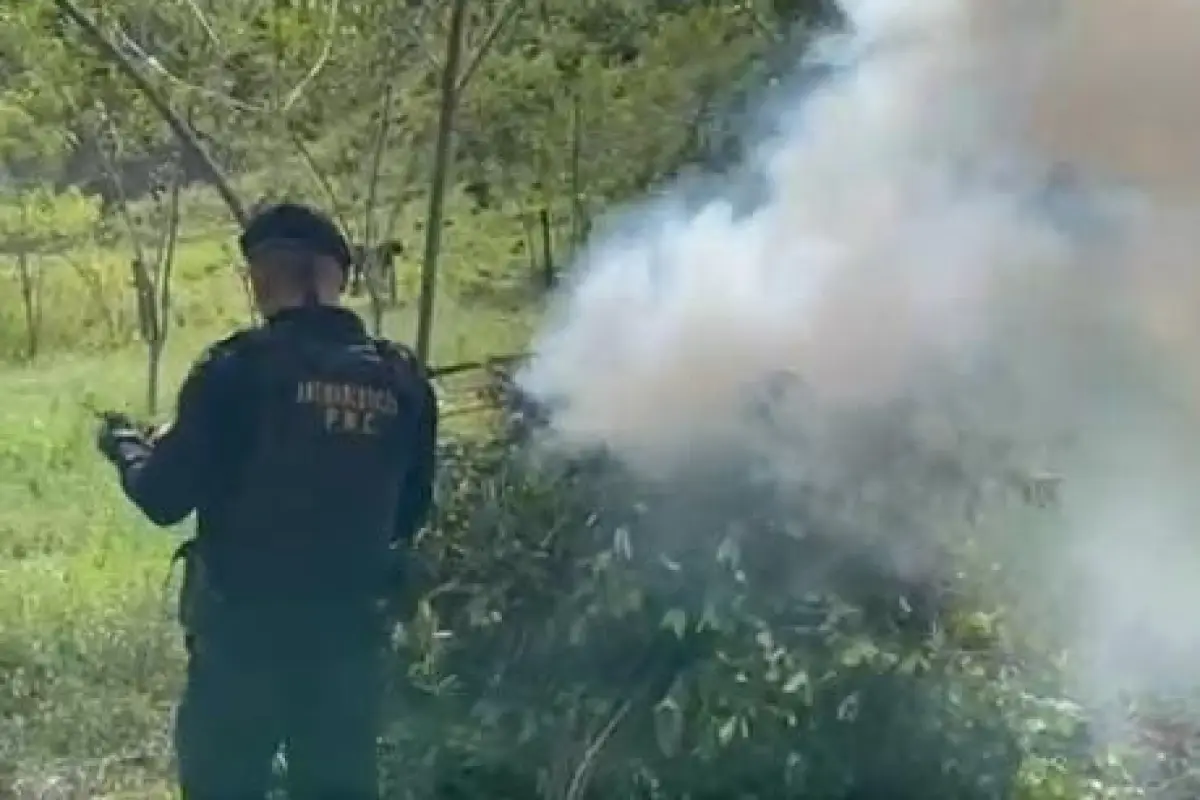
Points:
[(297, 226)]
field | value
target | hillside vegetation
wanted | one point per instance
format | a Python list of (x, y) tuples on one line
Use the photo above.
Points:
[(579, 636)]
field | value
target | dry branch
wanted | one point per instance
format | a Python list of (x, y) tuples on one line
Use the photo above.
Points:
[(185, 133), (506, 12)]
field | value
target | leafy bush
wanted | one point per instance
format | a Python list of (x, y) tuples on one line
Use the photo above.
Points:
[(587, 636)]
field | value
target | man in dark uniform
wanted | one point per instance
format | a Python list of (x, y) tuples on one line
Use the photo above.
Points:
[(306, 449)]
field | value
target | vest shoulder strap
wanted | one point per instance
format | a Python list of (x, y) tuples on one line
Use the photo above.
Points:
[(401, 357)]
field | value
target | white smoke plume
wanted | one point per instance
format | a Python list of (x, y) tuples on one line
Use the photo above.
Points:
[(988, 209)]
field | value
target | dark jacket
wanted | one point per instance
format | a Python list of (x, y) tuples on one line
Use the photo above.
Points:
[(200, 462)]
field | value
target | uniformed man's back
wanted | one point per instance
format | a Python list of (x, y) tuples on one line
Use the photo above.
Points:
[(308, 520), (306, 449)]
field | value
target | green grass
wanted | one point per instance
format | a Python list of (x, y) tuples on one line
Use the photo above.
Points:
[(90, 657), (87, 645)]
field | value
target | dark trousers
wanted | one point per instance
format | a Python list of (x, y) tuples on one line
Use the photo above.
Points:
[(241, 706)]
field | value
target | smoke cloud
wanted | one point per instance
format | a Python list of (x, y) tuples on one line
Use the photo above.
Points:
[(985, 211)]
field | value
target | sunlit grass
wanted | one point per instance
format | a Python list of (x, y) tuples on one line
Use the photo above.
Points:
[(90, 656)]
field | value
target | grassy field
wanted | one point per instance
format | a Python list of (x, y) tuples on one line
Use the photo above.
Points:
[(89, 651)]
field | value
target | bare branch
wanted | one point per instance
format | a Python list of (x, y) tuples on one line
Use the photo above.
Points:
[(171, 246), (186, 134), (368, 266), (109, 131), (582, 774), (293, 96), (385, 118), (506, 13), (416, 36), (320, 179), (322, 60), (204, 23), (154, 64)]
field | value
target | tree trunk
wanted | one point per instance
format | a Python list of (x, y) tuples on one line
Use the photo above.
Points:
[(579, 223), (441, 176), (161, 297), (154, 353), (530, 229), (31, 300), (549, 273), (393, 285), (372, 263)]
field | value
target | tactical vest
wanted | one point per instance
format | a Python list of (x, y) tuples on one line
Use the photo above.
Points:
[(306, 525)]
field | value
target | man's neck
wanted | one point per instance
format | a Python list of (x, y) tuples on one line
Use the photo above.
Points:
[(334, 319), (291, 306)]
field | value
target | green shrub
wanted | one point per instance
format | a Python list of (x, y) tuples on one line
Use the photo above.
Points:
[(584, 638)]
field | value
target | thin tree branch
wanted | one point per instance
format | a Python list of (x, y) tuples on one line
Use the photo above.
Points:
[(185, 133), (322, 60), (376, 164), (368, 266), (154, 64), (506, 13), (281, 105), (209, 31), (321, 179), (109, 165), (417, 36), (583, 773), (167, 267)]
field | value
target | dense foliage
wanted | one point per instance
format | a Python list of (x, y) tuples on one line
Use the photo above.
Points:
[(588, 635), (561, 109)]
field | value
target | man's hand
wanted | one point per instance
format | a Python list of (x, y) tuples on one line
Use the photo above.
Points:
[(116, 431)]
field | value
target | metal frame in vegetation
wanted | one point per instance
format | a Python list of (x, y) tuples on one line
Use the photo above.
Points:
[(496, 391)]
